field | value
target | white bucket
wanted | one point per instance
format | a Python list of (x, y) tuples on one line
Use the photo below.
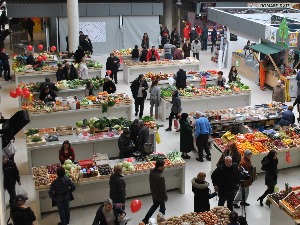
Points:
[(73, 105)]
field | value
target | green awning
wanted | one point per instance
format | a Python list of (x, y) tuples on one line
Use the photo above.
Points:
[(266, 49)]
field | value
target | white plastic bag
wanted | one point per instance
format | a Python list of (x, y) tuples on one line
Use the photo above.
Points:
[(21, 191), (10, 149)]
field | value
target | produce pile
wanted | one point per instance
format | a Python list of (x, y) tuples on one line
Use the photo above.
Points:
[(71, 170), (222, 213), (149, 122), (190, 218), (105, 170), (291, 201), (208, 217), (94, 64), (175, 157), (127, 52), (150, 76), (160, 63)]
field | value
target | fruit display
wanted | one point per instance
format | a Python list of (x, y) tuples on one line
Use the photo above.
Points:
[(168, 163), (160, 63), (156, 156), (40, 175), (52, 169), (71, 170), (208, 217), (291, 201), (222, 213), (149, 122), (142, 166), (188, 218), (35, 141), (278, 196), (105, 170), (150, 76), (127, 52)]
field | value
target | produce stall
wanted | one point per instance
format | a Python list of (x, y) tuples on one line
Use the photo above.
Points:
[(87, 191), (132, 69)]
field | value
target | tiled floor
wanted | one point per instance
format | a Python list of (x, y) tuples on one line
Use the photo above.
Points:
[(178, 203)]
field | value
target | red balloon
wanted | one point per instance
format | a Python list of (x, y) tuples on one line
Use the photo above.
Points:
[(29, 47), (53, 49), (26, 94), (135, 206), (25, 89), (40, 47), (108, 72), (44, 57), (40, 58), (19, 91), (13, 94)]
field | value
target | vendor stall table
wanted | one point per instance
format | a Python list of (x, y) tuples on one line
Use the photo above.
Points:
[(128, 57), (130, 73), (206, 103), (83, 149), (70, 117), (95, 190), (256, 158)]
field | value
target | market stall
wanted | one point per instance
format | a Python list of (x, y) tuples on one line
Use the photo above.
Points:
[(132, 69)]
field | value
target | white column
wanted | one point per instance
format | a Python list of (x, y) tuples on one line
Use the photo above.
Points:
[(73, 24), (168, 9)]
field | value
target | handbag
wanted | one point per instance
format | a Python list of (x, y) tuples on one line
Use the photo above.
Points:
[(176, 125), (288, 157)]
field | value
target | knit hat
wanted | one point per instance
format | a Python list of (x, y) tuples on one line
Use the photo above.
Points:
[(247, 152)]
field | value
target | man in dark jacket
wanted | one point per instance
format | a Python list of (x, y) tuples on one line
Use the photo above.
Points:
[(125, 145), (47, 95), (158, 190), (134, 131), (79, 54), (144, 54), (143, 136), (117, 186), (112, 64), (29, 24), (11, 177), (214, 37), (49, 84), (109, 86), (204, 38), (139, 89), (181, 79), (288, 117), (70, 72), (60, 75), (5, 64), (20, 213), (225, 179), (60, 191), (193, 34)]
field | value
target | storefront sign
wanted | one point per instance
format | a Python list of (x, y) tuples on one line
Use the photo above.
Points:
[(270, 34), (274, 5), (293, 39)]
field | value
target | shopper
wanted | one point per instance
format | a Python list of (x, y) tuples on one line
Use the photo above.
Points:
[(89, 89), (110, 214), (29, 24), (246, 182), (214, 38), (202, 193), (20, 213), (112, 64), (61, 193), (186, 136), (48, 83), (109, 86), (193, 35), (70, 71), (139, 89), (297, 102), (125, 144), (225, 179), (233, 75), (164, 40), (79, 53), (230, 151), (47, 95), (175, 40), (186, 32), (66, 152), (143, 136), (152, 55), (186, 48), (221, 81), (196, 48), (145, 41), (83, 71), (81, 37), (180, 79), (278, 94), (168, 50), (5, 64), (135, 53), (199, 31), (269, 165), (117, 186), (177, 54), (154, 98), (175, 109), (60, 72), (134, 131), (288, 117), (10, 177), (87, 44), (203, 130), (204, 38), (158, 190), (144, 54)]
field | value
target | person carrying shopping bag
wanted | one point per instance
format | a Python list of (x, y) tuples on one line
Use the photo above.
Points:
[(154, 98)]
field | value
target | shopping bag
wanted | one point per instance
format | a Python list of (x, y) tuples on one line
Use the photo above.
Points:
[(10, 149), (157, 138), (21, 191), (288, 157), (176, 124)]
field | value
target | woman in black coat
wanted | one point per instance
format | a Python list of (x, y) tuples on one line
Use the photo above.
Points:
[(109, 86), (186, 136), (176, 108), (233, 74), (117, 186), (112, 64), (201, 193), (269, 165)]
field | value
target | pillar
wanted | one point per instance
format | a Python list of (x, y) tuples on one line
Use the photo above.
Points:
[(168, 9), (73, 24)]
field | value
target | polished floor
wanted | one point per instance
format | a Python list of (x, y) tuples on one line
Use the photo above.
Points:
[(177, 203)]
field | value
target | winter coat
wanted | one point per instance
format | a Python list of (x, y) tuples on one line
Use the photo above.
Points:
[(202, 126), (157, 185), (142, 138), (201, 195), (11, 174), (176, 105), (168, 48), (236, 157), (22, 216), (100, 218), (43, 96), (186, 136), (221, 82), (247, 165), (83, 71), (186, 33), (135, 88), (134, 131), (186, 49), (79, 54), (270, 167), (72, 75), (152, 55), (177, 54), (145, 42), (135, 54), (111, 65), (226, 178), (232, 76), (288, 118), (125, 147), (61, 189), (109, 85), (196, 47), (181, 79), (117, 186), (144, 54), (60, 75), (214, 36), (64, 156), (204, 35), (278, 94), (193, 35)]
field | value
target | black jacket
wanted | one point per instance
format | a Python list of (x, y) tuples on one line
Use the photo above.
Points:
[(157, 185), (135, 54), (100, 219), (144, 54), (142, 138), (60, 75), (226, 178), (11, 174), (108, 85), (50, 84), (181, 79), (125, 147), (22, 216), (117, 186), (43, 96), (135, 88), (111, 65), (270, 166), (73, 73), (134, 131), (79, 54), (214, 36), (232, 76), (193, 35), (61, 188)]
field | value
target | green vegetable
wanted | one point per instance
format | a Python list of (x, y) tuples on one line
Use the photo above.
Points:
[(147, 119), (36, 139), (31, 132), (79, 123), (104, 107), (85, 122)]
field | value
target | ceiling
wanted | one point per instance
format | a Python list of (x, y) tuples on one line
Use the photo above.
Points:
[(80, 1)]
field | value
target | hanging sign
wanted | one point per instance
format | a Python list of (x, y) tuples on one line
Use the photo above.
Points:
[(270, 34), (275, 5), (293, 39)]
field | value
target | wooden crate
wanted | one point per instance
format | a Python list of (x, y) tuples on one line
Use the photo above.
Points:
[(94, 130), (64, 130), (33, 144), (86, 106), (42, 131), (81, 130)]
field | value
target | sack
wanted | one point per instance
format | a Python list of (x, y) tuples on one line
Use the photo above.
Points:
[(176, 125), (157, 138), (21, 191), (288, 157), (10, 149)]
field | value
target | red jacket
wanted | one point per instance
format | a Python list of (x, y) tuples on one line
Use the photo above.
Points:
[(186, 33), (199, 30), (149, 54), (64, 156)]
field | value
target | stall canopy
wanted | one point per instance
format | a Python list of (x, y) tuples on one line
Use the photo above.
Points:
[(266, 49)]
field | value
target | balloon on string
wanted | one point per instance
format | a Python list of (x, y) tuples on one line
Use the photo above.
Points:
[(19, 91), (40, 47), (25, 89), (29, 48), (40, 58), (53, 48), (135, 205), (44, 57), (13, 94), (108, 72), (26, 94)]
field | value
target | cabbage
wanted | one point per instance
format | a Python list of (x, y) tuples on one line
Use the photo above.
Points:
[(68, 161), (126, 164), (79, 123), (130, 168), (68, 166), (124, 169)]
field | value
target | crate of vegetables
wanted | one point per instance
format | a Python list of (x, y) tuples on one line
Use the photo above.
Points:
[(35, 141), (64, 130), (49, 130), (291, 204)]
